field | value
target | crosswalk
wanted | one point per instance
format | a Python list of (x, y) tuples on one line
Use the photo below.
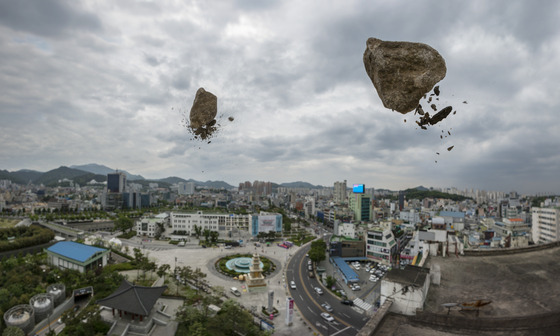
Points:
[(362, 304)]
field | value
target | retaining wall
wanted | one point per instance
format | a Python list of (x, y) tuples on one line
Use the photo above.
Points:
[(505, 251), (509, 323)]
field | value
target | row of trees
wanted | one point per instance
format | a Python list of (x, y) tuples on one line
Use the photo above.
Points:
[(23, 237), (318, 250), (211, 237)]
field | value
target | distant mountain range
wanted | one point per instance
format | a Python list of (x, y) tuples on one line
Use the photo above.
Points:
[(104, 170), (83, 174)]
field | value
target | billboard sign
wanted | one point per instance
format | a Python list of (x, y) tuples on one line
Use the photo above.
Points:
[(290, 311), (267, 223), (359, 189)]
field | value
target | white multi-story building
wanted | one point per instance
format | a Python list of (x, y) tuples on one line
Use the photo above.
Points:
[(410, 216), (151, 226), (309, 206), (340, 192), (182, 224), (347, 230), (546, 224), (380, 245), (185, 188)]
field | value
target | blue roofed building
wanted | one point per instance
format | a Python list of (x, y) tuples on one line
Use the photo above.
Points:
[(76, 256)]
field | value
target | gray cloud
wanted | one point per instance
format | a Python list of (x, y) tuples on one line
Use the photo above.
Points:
[(111, 82), (48, 18)]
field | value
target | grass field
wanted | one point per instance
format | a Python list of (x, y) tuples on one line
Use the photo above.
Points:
[(7, 223)]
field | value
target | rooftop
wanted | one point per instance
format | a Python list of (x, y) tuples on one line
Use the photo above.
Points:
[(410, 275), (134, 299), (454, 214), (76, 251)]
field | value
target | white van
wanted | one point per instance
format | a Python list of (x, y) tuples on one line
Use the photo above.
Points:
[(235, 291)]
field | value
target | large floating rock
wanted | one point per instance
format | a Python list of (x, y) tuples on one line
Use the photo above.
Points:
[(402, 72), (204, 109)]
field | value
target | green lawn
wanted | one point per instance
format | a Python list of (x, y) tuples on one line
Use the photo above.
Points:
[(8, 223)]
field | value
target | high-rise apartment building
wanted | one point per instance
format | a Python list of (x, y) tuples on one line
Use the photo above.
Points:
[(116, 182), (546, 225), (340, 192)]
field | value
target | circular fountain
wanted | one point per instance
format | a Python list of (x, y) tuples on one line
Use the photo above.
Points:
[(241, 264)]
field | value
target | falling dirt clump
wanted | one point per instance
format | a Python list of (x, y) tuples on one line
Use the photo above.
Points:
[(202, 122), (402, 72)]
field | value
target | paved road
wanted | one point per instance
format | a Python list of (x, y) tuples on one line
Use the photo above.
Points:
[(348, 320)]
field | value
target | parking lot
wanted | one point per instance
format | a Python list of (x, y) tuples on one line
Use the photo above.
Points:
[(368, 288)]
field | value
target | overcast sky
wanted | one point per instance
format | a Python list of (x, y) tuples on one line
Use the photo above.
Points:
[(110, 82)]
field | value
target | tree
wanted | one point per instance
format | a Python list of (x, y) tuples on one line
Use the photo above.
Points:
[(198, 276), (162, 270), (330, 281), (206, 234), (317, 252), (13, 331), (197, 231), (214, 236), (123, 223)]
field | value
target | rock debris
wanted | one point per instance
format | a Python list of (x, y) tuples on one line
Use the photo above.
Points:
[(402, 72)]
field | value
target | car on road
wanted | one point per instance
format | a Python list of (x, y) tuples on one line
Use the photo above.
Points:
[(327, 307), (327, 317), (292, 285), (347, 302), (318, 290)]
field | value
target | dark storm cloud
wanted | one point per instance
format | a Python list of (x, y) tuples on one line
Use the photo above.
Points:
[(49, 18)]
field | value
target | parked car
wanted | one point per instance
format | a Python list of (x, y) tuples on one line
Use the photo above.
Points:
[(319, 290), (327, 307), (235, 291), (327, 317)]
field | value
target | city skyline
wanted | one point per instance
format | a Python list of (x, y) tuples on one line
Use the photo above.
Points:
[(111, 83)]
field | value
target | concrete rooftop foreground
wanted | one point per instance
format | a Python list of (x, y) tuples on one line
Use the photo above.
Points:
[(517, 284), (522, 287)]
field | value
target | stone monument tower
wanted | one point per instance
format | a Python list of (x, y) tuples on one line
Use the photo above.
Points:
[(255, 278)]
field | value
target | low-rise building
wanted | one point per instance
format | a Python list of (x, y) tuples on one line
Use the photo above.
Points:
[(546, 225), (347, 230), (152, 226), (76, 256), (346, 248), (407, 288), (183, 224)]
